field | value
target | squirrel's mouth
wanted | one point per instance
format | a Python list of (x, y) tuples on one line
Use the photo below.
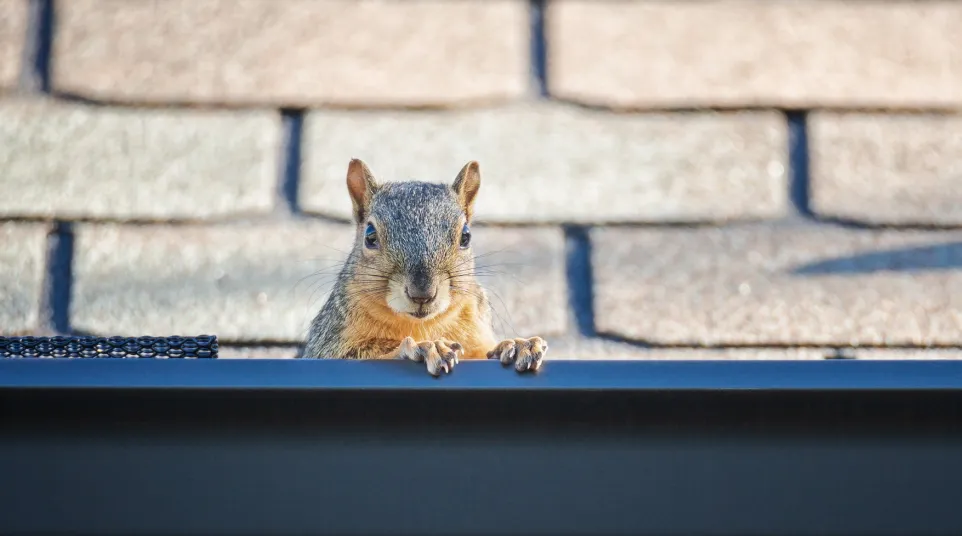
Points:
[(418, 309), (422, 312)]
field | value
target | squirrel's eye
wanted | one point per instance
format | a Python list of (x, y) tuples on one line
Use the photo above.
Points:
[(465, 236), (370, 237)]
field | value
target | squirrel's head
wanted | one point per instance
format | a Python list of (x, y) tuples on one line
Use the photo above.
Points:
[(414, 240)]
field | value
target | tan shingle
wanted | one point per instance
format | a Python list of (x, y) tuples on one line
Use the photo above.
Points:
[(13, 34), (555, 163), (265, 282), (794, 284), (887, 168), (23, 249), (67, 160), (734, 53), (294, 52)]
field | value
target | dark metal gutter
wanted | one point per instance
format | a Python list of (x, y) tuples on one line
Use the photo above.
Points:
[(215, 446), (577, 375)]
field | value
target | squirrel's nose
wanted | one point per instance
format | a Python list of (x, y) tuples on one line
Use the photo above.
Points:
[(421, 296)]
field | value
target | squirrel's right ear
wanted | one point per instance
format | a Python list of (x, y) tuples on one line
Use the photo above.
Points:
[(361, 185), (466, 187)]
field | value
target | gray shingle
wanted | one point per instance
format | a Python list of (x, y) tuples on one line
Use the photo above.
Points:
[(555, 163), (779, 285), (260, 282), (257, 352), (241, 282), (294, 53), (22, 266), (908, 353), (68, 160), (13, 33), (734, 53), (524, 272), (887, 168), (577, 348)]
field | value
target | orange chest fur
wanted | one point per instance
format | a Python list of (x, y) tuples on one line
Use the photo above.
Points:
[(460, 323)]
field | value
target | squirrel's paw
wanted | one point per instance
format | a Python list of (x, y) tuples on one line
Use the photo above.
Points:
[(440, 355), (527, 354)]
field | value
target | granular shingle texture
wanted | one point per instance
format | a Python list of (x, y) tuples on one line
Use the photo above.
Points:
[(241, 282), (884, 168), (13, 39), (264, 282), (662, 180), (524, 273), (293, 52), (555, 163), (69, 160), (747, 53), (574, 347), (257, 352), (779, 285), (23, 251)]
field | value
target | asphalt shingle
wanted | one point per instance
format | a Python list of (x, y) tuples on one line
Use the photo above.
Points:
[(555, 163), (69, 160), (779, 285), (885, 168), (264, 282), (256, 352), (914, 354), (13, 34), (171, 165), (734, 53), (577, 348), (23, 248), (523, 270), (292, 53), (241, 282)]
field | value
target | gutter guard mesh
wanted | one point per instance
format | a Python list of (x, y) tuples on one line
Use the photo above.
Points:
[(86, 347)]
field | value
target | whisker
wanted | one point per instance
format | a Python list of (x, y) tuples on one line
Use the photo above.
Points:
[(479, 294), (485, 274), (507, 309)]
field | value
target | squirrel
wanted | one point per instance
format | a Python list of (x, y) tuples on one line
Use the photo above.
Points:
[(407, 288)]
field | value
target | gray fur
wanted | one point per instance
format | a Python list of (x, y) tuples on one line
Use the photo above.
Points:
[(324, 334), (419, 223)]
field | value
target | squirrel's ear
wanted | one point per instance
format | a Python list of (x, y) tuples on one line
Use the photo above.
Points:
[(361, 185), (466, 186)]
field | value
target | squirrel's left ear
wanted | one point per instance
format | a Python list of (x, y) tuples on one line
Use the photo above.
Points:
[(361, 185), (466, 186)]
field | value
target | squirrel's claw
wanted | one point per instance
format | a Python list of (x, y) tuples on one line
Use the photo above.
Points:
[(440, 355), (527, 354)]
